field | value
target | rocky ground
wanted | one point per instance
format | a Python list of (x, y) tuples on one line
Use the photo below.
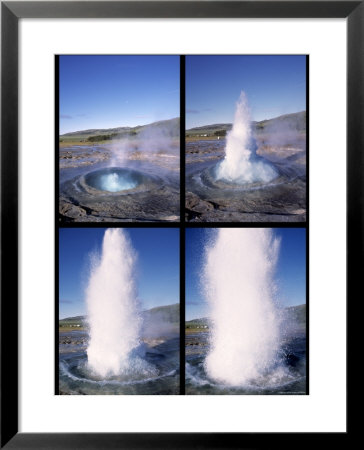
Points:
[(157, 201), (292, 379), (283, 201), (196, 342), (67, 339), (162, 353)]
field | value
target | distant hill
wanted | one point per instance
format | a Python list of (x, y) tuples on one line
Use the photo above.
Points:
[(287, 122), (296, 314), (291, 314), (169, 127), (161, 321), (210, 128), (292, 122), (160, 314), (169, 313), (204, 321), (73, 321)]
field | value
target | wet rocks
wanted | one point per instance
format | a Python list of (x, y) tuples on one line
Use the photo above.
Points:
[(67, 209), (196, 207), (72, 340), (210, 200), (156, 199)]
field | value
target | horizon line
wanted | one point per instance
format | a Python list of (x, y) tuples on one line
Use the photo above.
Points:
[(257, 121), (143, 310), (121, 126), (206, 317)]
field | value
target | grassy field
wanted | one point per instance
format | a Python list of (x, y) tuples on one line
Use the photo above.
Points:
[(196, 330), (168, 128), (203, 138), (71, 143), (66, 329)]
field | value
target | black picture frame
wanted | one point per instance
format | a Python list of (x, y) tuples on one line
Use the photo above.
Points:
[(11, 12)]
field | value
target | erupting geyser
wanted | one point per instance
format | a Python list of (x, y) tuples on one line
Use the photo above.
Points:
[(113, 315), (114, 179), (239, 287), (241, 164)]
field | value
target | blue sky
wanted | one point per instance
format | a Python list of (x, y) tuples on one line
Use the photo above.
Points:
[(274, 85), (107, 91), (157, 268), (290, 275)]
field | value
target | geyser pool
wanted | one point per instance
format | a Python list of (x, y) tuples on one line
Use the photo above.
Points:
[(241, 163), (238, 281), (114, 179), (113, 314)]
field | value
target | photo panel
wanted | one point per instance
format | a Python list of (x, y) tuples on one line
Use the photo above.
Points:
[(119, 138), (119, 311), (246, 138), (170, 309), (246, 311)]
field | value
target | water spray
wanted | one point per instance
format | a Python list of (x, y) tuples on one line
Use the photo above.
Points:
[(239, 286), (113, 312)]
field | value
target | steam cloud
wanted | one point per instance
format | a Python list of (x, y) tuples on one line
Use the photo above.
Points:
[(156, 142)]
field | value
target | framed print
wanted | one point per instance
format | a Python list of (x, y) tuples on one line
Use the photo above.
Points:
[(33, 238)]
